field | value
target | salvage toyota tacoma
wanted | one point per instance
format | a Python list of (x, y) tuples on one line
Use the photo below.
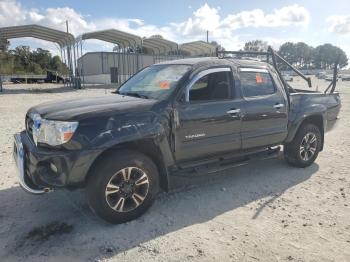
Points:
[(168, 123)]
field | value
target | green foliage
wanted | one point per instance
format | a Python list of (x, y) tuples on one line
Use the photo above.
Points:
[(217, 45), (255, 46), (4, 45), (325, 55), (22, 60), (304, 56)]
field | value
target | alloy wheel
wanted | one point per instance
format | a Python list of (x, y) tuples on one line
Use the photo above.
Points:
[(308, 146), (127, 189)]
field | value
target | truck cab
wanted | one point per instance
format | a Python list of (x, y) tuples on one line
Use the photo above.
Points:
[(238, 102)]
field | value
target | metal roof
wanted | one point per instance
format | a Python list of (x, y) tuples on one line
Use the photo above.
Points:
[(37, 31), (122, 39), (160, 45), (197, 48), (114, 36)]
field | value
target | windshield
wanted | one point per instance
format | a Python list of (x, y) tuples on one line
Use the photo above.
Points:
[(156, 81)]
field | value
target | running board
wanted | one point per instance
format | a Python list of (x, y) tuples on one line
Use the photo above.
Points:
[(210, 166)]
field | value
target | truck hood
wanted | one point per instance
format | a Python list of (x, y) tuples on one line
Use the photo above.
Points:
[(80, 108)]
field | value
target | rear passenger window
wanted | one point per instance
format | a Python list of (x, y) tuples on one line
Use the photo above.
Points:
[(256, 84)]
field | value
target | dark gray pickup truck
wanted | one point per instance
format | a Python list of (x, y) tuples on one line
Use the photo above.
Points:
[(168, 123)]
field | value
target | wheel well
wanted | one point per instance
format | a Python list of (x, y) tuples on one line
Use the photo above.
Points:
[(316, 120), (146, 147)]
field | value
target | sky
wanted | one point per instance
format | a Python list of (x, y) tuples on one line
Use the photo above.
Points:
[(230, 22)]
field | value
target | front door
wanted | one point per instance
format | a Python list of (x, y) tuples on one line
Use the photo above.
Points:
[(209, 121)]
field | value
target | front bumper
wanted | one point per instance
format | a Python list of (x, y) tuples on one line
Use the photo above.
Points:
[(18, 155), (41, 169)]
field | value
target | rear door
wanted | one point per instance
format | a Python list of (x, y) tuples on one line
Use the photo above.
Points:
[(209, 121), (264, 120)]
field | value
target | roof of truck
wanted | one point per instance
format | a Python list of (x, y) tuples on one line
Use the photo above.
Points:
[(204, 61)]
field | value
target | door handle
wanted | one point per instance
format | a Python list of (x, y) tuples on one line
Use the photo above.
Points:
[(278, 106), (234, 112)]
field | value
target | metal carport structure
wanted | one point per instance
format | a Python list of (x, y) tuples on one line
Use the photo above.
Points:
[(126, 43), (160, 46), (198, 48), (62, 39)]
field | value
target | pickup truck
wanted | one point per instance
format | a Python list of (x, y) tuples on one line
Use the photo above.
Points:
[(169, 123)]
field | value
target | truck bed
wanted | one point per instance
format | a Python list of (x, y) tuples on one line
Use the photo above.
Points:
[(309, 101)]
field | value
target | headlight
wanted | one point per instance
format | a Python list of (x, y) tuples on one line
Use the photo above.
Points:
[(52, 132)]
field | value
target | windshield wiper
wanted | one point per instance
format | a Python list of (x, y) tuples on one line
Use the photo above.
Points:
[(133, 94)]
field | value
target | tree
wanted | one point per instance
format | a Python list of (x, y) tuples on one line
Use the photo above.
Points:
[(23, 55), (7, 62), (217, 45), (22, 60), (42, 57), (156, 36), (288, 51), (4, 45), (326, 55), (256, 46), (304, 56), (343, 59), (57, 65)]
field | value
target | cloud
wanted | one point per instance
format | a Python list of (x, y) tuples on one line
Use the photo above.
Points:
[(339, 24), (293, 15), (221, 29), (205, 18), (12, 13)]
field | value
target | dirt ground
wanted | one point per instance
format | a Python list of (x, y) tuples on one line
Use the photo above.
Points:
[(265, 211)]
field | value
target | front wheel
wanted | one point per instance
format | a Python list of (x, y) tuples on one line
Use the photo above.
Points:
[(122, 186), (304, 148)]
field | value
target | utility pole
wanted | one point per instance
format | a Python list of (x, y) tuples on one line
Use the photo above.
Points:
[(207, 36), (69, 54), (67, 26)]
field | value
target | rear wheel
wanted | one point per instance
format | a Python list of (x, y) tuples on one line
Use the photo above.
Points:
[(304, 148), (122, 186)]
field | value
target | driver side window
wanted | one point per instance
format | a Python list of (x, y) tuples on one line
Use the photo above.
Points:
[(212, 86)]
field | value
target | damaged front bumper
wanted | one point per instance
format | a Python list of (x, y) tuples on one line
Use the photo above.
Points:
[(42, 169), (24, 180)]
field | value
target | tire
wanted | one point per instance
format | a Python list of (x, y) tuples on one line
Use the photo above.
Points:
[(129, 175), (304, 148)]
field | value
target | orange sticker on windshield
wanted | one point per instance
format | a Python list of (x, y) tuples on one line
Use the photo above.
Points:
[(259, 79), (164, 84)]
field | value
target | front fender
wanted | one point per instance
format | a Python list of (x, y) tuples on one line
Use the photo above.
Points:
[(129, 132), (146, 132), (104, 132)]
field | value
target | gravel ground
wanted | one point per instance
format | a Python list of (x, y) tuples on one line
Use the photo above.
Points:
[(265, 211)]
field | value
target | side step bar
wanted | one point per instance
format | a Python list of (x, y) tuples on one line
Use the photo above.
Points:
[(223, 163)]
